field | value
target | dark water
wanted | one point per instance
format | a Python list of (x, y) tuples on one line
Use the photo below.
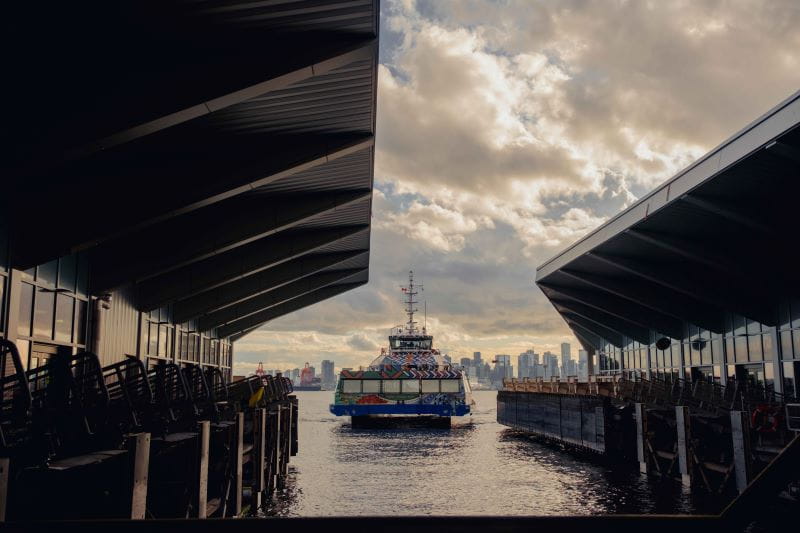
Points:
[(476, 468)]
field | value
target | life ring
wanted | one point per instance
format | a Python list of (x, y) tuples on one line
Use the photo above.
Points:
[(765, 419)]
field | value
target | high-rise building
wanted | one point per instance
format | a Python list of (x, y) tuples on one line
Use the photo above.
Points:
[(550, 365), (328, 375), (525, 363), (583, 364), (565, 358), (476, 357)]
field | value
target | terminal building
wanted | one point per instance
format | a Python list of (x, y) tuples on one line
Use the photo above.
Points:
[(698, 279), (176, 174)]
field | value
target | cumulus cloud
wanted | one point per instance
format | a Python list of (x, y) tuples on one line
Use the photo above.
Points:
[(507, 130)]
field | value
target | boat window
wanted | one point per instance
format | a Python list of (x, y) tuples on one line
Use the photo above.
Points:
[(371, 385), (450, 385), (351, 385), (411, 386), (430, 385), (391, 385)]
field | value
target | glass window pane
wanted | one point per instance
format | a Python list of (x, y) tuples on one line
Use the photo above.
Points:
[(739, 325), (796, 313), (80, 322), (372, 386), (351, 386), (411, 386), (391, 386), (796, 342), (450, 385), (786, 344), (2, 297), (754, 345), (789, 383), (740, 344), (43, 314), (769, 352), (82, 285), (753, 327), (716, 351), (67, 271), (46, 273), (152, 342), (430, 385), (784, 321), (64, 307), (24, 348), (25, 310), (162, 341)]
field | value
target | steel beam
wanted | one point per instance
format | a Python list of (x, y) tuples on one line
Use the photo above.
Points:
[(706, 289), (274, 297), (655, 298), (621, 308), (590, 331), (207, 232), (602, 329), (700, 254), (255, 284), (236, 264), (252, 322), (627, 328), (163, 182), (725, 211)]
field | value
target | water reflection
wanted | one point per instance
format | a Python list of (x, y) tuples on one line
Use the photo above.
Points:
[(474, 468)]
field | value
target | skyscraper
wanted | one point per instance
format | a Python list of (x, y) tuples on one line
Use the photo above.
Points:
[(476, 357), (565, 358), (583, 364), (328, 377), (526, 363)]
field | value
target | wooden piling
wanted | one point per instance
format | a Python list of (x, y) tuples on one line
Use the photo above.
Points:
[(740, 433), (139, 448), (295, 418), (259, 434), (641, 437), (683, 425), (200, 496), (5, 464), (238, 463)]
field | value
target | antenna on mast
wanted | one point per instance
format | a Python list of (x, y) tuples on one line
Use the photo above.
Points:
[(411, 325)]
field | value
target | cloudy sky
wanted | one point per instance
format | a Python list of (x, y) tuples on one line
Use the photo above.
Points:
[(507, 130)]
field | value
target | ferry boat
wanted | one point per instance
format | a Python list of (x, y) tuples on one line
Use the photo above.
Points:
[(408, 384)]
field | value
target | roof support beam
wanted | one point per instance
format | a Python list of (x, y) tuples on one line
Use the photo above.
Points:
[(726, 211), (252, 322), (206, 233), (161, 183), (629, 329), (703, 255), (236, 264), (255, 284), (621, 308), (693, 284), (274, 297), (614, 337), (656, 298)]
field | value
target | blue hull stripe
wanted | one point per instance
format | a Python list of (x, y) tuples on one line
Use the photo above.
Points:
[(398, 409)]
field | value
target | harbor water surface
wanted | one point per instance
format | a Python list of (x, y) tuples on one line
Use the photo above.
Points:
[(478, 467)]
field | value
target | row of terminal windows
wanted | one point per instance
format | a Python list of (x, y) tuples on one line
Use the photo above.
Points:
[(400, 386)]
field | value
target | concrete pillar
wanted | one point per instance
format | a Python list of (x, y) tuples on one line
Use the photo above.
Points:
[(139, 448), (777, 364), (683, 425), (740, 433), (641, 436)]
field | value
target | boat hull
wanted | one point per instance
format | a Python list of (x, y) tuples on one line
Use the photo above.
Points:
[(399, 421), (353, 409)]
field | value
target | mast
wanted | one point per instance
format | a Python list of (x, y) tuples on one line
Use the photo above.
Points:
[(410, 292)]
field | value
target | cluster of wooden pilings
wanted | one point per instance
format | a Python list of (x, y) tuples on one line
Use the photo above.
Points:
[(703, 434), (81, 441)]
